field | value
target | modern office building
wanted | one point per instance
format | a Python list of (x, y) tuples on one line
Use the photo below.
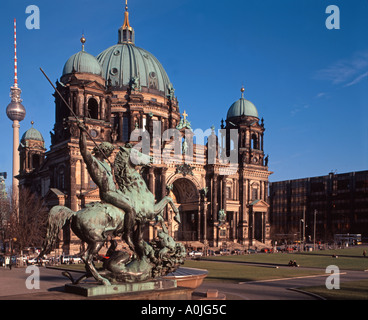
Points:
[(327, 205)]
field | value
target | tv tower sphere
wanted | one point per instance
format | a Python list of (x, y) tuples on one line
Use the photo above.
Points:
[(15, 110)]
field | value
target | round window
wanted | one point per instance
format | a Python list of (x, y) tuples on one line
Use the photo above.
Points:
[(114, 71), (94, 133)]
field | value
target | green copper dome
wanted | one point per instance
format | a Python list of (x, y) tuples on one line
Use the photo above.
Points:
[(32, 134), (242, 107), (82, 62), (125, 62), (126, 65)]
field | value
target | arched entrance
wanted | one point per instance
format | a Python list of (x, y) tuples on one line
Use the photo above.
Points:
[(186, 196)]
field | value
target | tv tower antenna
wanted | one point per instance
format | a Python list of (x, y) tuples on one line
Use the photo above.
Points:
[(16, 113)]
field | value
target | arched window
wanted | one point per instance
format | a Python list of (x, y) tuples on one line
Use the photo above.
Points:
[(35, 161), (254, 193), (60, 178), (125, 128), (254, 141), (92, 109)]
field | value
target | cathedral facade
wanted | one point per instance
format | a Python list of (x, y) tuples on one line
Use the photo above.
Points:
[(125, 90)]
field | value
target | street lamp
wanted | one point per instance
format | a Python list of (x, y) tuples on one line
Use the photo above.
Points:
[(301, 235), (314, 230)]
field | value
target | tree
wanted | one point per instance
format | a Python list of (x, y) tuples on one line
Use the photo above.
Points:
[(27, 222), (4, 218)]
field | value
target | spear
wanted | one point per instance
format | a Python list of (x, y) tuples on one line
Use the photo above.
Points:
[(76, 117)]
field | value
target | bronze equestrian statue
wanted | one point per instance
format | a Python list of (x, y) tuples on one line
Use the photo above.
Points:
[(122, 212)]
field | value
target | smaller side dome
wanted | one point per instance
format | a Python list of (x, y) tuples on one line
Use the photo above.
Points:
[(242, 107), (32, 134), (82, 62)]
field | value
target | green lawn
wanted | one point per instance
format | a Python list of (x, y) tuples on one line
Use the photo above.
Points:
[(347, 259), (222, 271)]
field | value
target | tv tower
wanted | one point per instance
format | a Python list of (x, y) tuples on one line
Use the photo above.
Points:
[(16, 113)]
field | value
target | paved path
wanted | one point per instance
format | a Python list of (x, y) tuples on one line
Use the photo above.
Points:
[(13, 283), (278, 289), (13, 286)]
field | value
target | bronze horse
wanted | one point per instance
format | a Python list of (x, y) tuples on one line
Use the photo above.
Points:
[(97, 221)]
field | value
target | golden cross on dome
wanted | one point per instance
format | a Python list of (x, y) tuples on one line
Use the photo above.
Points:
[(242, 91), (185, 115), (126, 16), (83, 41)]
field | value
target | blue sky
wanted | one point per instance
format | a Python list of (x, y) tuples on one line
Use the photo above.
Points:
[(307, 82)]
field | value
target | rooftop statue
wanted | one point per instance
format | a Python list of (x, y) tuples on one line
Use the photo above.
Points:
[(122, 212)]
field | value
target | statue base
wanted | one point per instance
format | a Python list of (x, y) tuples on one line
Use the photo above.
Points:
[(93, 289)]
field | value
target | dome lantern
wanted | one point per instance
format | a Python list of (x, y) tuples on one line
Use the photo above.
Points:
[(126, 32)]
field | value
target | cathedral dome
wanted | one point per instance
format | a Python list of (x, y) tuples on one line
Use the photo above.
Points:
[(242, 107), (82, 62), (124, 62), (126, 65), (32, 134)]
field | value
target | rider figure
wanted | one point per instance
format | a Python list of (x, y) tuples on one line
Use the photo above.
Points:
[(101, 174)]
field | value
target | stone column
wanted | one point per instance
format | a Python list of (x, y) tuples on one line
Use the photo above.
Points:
[(252, 225), (224, 198), (83, 176), (73, 200), (163, 189), (262, 141), (204, 220), (151, 180), (131, 124), (199, 221), (263, 227), (214, 198), (244, 219), (80, 105), (120, 128)]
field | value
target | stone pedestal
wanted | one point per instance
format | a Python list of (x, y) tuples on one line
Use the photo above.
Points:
[(188, 277), (178, 285), (93, 289)]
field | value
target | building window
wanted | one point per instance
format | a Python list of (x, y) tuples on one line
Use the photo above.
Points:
[(254, 141), (92, 108), (144, 124), (61, 178), (125, 129), (254, 193), (228, 193), (36, 161)]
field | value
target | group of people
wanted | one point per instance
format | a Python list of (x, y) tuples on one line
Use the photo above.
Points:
[(7, 262), (292, 263)]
